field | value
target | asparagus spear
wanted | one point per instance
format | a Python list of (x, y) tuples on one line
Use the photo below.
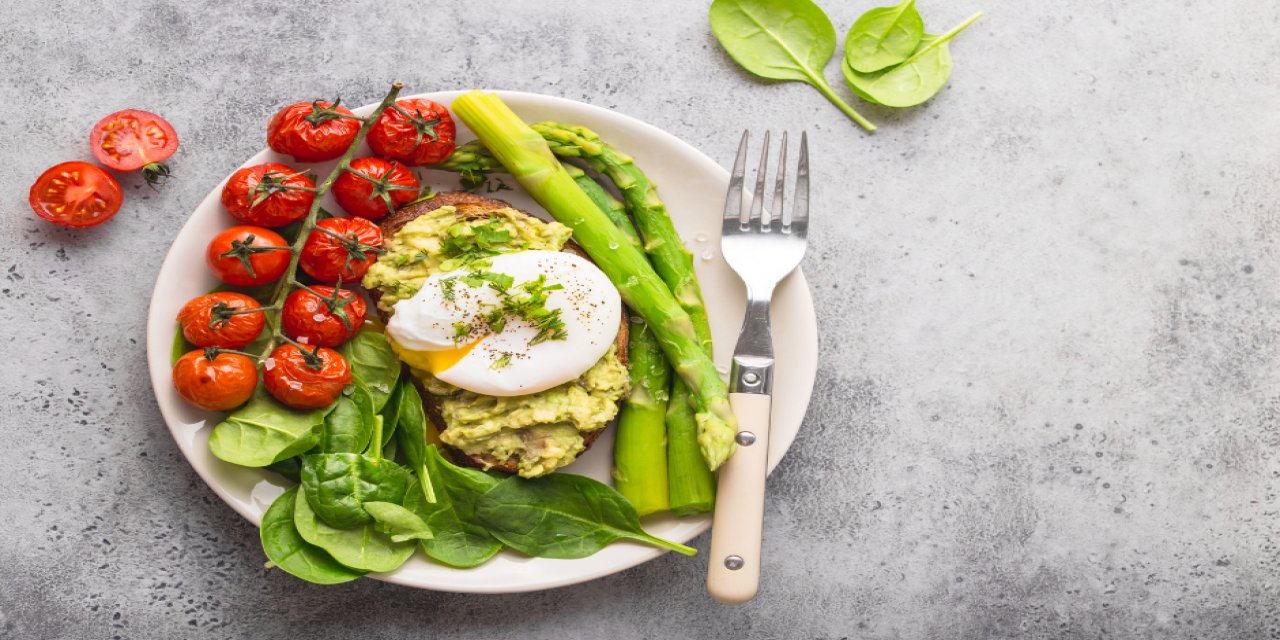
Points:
[(692, 485), (640, 447), (525, 155)]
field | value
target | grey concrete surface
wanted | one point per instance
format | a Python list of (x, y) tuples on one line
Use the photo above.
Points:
[(1047, 405)]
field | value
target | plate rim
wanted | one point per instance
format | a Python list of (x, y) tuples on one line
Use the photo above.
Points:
[(160, 374)]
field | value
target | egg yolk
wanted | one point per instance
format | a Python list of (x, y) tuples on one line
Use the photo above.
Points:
[(435, 362)]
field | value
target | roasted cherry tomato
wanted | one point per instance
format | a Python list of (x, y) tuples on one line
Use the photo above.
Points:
[(222, 319), (322, 315), (414, 131), (215, 380), (372, 187), (341, 248), (305, 377), (268, 195), (248, 256), (312, 131), (131, 139), (75, 194)]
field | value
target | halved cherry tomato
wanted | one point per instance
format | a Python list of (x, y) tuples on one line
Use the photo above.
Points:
[(221, 319), (75, 194), (131, 139), (248, 256), (268, 195), (322, 315), (341, 248), (414, 131), (215, 380), (312, 131), (305, 378), (373, 188)]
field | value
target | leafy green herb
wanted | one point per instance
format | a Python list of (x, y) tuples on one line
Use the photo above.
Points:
[(448, 287), (460, 541), (883, 37), (562, 516), (468, 243), (363, 548), (398, 522), (264, 431), (529, 304), (460, 330), (349, 425), (499, 282), (781, 40), (917, 79), (286, 549), (373, 363), (502, 362)]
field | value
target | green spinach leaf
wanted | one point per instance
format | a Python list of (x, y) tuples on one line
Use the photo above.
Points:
[(290, 468), (412, 420), (914, 81), (373, 363), (264, 431), (338, 485), (363, 548), (286, 549), (460, 540), (562, 516), (398, 522), (883, 37), (781, 40), (349, 426)]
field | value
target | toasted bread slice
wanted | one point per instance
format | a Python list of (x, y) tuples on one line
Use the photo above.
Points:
[(470, 206)]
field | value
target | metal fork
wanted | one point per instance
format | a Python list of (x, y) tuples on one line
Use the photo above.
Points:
[(763, 247)]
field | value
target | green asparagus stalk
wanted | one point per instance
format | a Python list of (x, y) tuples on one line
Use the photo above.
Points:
[(692, 485), (526, 156), (640, 446)]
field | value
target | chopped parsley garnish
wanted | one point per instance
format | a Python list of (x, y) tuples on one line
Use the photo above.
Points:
[(528, 303), (470, 243), (448, 286), (460, 330), (501, 363)]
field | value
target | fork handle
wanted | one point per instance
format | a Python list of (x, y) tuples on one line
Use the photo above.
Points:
[(738, 525)]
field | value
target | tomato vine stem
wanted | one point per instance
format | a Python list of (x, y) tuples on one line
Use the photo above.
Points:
[(289, 281)]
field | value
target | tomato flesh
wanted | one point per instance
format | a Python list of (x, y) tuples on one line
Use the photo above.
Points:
[(132, 139), (75, 194)]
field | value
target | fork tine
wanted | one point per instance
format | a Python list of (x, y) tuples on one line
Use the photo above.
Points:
[(779, 188), (800, 208), (757, 201), (733, 199)]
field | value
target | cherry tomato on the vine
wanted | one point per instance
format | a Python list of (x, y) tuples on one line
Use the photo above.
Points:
[(248, 256), (221, 319), (312, 131), (373, 188), (75, 194), (131, 139), (341, 248), (268, 195), (414, 131), (322, 315), (215, 380), (305, 377)]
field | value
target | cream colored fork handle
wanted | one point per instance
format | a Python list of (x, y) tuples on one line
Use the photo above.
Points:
[(738, 524)]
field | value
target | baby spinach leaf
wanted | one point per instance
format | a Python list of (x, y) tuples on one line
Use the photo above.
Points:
[(412, 420), (290, 468), (286, 549), (373, 363), (363, 548), (883, 37), (338, 484), (781, 40), (562, 516), (398, 522), (914, 81), (349, 426), (390, 411), (264, 431), (460, 541)]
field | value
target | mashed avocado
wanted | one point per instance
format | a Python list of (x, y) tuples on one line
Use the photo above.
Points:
[(543, 430)]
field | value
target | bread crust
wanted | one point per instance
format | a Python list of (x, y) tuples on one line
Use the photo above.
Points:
[(471, 206)]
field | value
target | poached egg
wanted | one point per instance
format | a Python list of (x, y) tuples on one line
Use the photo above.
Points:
[(487, 329)]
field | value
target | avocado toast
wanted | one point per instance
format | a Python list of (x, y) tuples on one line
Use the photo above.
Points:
[(531, 434)]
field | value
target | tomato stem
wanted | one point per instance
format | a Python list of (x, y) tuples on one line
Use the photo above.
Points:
[(289, 281)]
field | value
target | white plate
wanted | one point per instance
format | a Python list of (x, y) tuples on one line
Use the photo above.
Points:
[(691, 184)]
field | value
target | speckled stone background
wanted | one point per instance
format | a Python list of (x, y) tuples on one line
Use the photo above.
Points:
[(1047, 405)]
